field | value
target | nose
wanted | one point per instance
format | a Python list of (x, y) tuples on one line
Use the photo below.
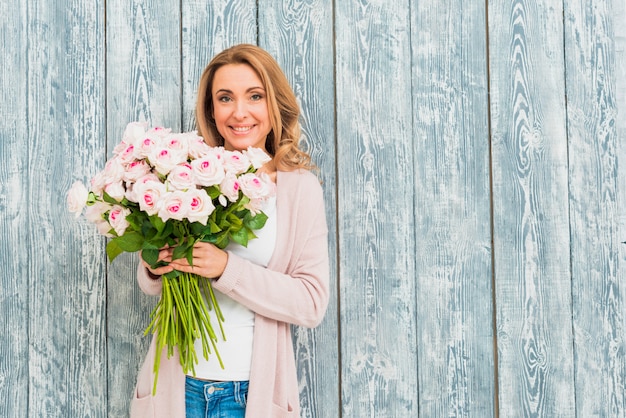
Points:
[(241, 110)]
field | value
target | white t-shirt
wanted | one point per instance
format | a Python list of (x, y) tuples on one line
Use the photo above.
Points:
[(236, 351)]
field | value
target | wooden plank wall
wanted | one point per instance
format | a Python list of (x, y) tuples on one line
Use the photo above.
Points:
[(470, 157)]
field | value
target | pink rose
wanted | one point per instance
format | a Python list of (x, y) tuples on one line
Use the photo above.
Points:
[(145, 146), (117, 219), (208, 170), (235, 162), (200, 206), (178, 143), (258, 189), (165, 159), (254, 187), (98, 182), (230, 188), (114, 170), (148, 194), (127, 154), (77, 198), (197, 147), (175, 205), (181, 177), (136, 169)]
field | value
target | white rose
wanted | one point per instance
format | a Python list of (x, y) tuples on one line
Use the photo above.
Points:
[(257, 157), (116, 190), (96, 212), (77, 198), (134, 131)]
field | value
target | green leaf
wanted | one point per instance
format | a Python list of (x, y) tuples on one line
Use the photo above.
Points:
[(255, 222), (157, 223), (107, 198), (130, 242), (113, 250), (240, 236), (150, 255)]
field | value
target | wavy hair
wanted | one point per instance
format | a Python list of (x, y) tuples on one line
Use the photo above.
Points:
[(282, 143)]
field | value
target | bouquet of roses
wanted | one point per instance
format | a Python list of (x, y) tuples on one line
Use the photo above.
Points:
[(172, 189)]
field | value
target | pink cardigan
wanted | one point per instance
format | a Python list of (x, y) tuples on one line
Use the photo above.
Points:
[(293, 289)]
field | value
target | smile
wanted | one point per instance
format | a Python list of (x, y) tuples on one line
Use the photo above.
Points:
[(241, 129)]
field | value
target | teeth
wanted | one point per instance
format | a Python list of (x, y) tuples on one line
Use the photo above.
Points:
[(242, 128)]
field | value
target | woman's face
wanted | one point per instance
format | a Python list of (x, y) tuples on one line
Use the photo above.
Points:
[(240, 107)]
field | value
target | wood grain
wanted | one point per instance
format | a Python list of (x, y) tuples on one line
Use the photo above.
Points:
[(375, 218), (299, 35), (598, 290), (530, 209), (143, 83), (14, 246), (65, 113), (452, 210), (209, 27)]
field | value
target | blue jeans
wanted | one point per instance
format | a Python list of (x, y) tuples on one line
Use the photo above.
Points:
[(204, 399)]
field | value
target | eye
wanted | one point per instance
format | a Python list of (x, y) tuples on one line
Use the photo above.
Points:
[(256, 97), (224, 99)]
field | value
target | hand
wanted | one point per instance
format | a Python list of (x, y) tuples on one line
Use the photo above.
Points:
[(165, 254), (208, 261)]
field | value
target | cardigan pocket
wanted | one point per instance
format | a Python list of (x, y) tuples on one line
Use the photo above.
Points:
[(280, 412), (141, 407)]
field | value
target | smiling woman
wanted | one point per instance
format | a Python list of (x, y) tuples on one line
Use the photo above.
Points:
[(279, 279)]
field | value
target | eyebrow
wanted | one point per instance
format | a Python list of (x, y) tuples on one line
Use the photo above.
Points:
[(247, 91)]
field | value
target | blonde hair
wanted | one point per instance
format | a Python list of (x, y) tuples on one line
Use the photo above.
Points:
[(282, 143)]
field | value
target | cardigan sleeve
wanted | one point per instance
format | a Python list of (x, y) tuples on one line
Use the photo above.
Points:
[(294, 288), (147, 284)]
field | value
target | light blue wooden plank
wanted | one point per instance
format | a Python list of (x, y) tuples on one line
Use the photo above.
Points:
[(299, 36), (209, 27), (452, 210), (530, 209), (13, 212), (65, 87), (143, 83), (375, 218), (598, 289)]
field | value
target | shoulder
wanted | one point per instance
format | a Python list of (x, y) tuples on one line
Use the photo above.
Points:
[(297, 180), (299, 189)]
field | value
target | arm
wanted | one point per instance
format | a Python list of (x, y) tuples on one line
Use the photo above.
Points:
[(300, 294)]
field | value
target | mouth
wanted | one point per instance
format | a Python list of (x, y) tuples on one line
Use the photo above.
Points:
[(242, 129)]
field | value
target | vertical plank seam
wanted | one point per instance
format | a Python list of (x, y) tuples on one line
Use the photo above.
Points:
[(569, 206), (28, 194), (494, 311), (414, 159), (106, 264), (181, 97), (337, 197)]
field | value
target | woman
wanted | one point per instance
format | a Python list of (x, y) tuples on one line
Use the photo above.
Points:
[(244, 99)]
